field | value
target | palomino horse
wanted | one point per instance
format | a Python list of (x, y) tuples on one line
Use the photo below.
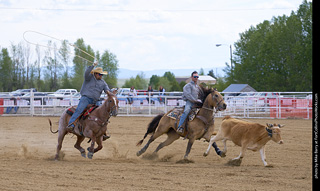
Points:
[(94, 127), (201, 127)]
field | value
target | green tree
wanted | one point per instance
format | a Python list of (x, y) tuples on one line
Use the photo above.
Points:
[(174, 85), (139, 82), (65, 57), (154, 81), (211, 73), (80, 64), (109, 63), (276, 55), (53, 67), (5, 71)]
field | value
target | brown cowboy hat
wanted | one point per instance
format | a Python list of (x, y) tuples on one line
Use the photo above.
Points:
[(99, 70)]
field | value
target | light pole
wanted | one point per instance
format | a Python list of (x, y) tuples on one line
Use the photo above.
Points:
[(217, 45)]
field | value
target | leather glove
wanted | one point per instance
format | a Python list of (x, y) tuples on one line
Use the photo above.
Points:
[(199, 101)]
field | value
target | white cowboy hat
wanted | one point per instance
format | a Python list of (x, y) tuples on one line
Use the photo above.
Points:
[(99, 70)]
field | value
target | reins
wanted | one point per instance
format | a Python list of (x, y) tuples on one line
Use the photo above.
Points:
[(46, 46)]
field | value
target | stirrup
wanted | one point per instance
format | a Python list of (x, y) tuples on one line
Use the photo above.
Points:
[(70, 127), (180, 129)]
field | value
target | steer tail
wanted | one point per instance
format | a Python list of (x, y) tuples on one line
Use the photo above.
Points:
[(151, 127), (51, 127)]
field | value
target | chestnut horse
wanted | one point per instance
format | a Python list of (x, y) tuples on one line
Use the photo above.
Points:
[(94, 127), (201, 127)]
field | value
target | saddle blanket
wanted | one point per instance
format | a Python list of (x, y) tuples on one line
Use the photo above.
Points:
[(84, 114), (176, 113)]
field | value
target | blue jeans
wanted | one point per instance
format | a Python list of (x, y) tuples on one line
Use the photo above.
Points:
[(187, 109), (83, 103)]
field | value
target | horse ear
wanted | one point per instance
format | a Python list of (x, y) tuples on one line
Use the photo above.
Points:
[(108, 92), (115, 91)]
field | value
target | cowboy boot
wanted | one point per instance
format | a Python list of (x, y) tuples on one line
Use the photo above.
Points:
[(180, 129), (70, 127)]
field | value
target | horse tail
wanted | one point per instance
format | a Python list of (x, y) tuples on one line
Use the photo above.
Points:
[(51, 127), (151, 127)]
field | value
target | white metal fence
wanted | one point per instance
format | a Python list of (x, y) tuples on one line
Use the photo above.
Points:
[(246, 105)]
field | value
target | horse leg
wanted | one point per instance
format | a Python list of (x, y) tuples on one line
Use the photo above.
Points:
[(212, 140), (91, 148), (190, 143), (216, 148), (146, 146), (99, 142), (157, 134), (172, 136), (78, 146), (61, 135)]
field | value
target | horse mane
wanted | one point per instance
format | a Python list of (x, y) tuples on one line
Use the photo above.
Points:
[(203, 93)]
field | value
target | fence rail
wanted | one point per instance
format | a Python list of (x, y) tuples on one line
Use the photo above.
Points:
[(246, 105)]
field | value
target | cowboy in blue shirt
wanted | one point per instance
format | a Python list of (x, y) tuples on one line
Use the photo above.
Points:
[(91, 90)]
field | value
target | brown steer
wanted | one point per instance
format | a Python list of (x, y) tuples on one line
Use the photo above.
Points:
[(247, 135)]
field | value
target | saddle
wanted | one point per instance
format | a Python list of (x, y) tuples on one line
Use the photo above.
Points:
[(176, 114), (90, 108)]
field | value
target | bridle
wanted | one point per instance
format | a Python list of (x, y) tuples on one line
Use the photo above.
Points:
[(214, 109), (113, 107)]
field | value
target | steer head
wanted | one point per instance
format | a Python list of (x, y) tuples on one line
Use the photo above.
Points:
[(274, 132)]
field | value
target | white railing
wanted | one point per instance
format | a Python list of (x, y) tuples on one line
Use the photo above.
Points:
[(259, 105)]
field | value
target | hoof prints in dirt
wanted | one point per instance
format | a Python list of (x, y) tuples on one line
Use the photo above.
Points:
[(234, 162), (155, 157), (184, 161)]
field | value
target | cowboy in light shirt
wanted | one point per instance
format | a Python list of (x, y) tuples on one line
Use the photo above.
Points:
[(90, 91), (190, 95)]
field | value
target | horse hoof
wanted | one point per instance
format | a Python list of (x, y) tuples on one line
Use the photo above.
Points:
[(222, 155), (205, 154), (139, 153), (83, 154), (90, 155)]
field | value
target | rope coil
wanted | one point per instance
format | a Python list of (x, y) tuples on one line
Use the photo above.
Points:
[(73, 45)]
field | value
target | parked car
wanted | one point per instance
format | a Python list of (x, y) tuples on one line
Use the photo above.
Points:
[(21, 92), (37, 96), (74, 98), (62, 93)]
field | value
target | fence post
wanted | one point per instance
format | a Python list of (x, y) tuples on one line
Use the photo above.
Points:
[(149, 103), (279, 106), (31, 103)]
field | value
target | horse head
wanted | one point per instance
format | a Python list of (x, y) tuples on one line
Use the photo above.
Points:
[(112, 103), (217, 101)]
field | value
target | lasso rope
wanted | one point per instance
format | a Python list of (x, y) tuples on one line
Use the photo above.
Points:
[(73, 45)]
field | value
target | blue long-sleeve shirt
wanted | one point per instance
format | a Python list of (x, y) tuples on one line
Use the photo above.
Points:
[(92, 87)]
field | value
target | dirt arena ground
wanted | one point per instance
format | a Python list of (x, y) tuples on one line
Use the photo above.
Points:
[(28, 147)]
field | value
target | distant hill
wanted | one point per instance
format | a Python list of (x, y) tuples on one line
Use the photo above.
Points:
[(126, 73)]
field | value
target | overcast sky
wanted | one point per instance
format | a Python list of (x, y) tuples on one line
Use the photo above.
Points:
[(143, 34)]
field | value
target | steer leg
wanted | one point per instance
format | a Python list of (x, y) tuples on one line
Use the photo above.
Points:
[(78, 145), (237, 161), (263, 156)]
